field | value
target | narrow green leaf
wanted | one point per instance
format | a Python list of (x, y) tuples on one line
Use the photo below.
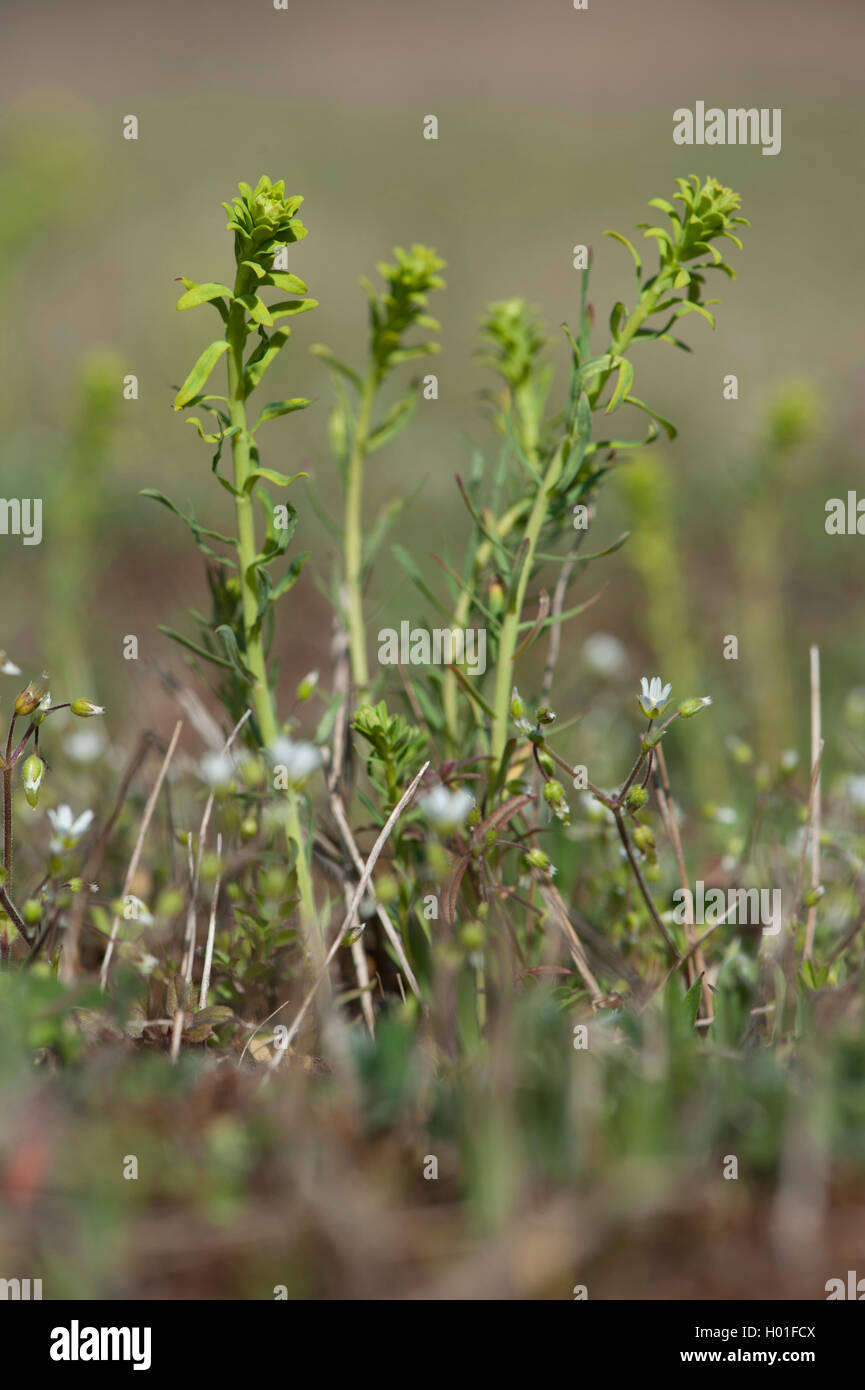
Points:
[(689, 307), (633, 250), (190, 520), (286, 307), (201, 294), (394, 421), (277, 408), (326, 355), (194, 647), (291, 576), (261, 359), (284, 281), (200, 372), (641, 405), (256, 308), (623, 385), (232, 651), (279, 479)]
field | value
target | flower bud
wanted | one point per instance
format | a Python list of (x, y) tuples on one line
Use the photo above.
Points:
[(637, 797), (688, 708), (31, 911), (31, 696), (85, 709), (813, 896), (518, 705), (554, 795), (536, 859), (34, 770), (44, 707), (644, 840), (307, 685)]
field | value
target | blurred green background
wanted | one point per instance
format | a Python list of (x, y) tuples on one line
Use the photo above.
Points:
[(553, 125)]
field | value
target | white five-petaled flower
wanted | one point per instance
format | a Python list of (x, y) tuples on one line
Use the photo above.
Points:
[(654, 696), (444, 809), (68, 830), (293, 762)]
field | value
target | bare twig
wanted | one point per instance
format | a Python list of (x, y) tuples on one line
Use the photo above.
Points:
[(195, 880), (136, 853), (553, 901), (349, 918), (815, 807), (393, 936), (211, 932)]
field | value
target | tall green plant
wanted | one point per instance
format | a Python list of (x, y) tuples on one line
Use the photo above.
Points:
[(264, 222), (393, 313), (237, 639)]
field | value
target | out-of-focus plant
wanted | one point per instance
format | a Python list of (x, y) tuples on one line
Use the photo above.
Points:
[(393, 313), (33, 704), (791, 418), (70, 568)]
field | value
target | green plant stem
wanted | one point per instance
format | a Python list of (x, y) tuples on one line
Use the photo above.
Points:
[(354, 535), (510, 625), (262, 699), (643, 310), (7, 811), (254, 656), (308, 916), (483, 555)]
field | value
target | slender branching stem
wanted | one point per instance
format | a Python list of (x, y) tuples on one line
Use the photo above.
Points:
[(643, 886)]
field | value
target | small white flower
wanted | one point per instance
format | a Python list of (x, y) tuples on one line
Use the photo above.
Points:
[(604, 654), (654, 696), (7, 667), (444, 809), (216, 769), (293, 762), (85, 743), (68, 831)]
